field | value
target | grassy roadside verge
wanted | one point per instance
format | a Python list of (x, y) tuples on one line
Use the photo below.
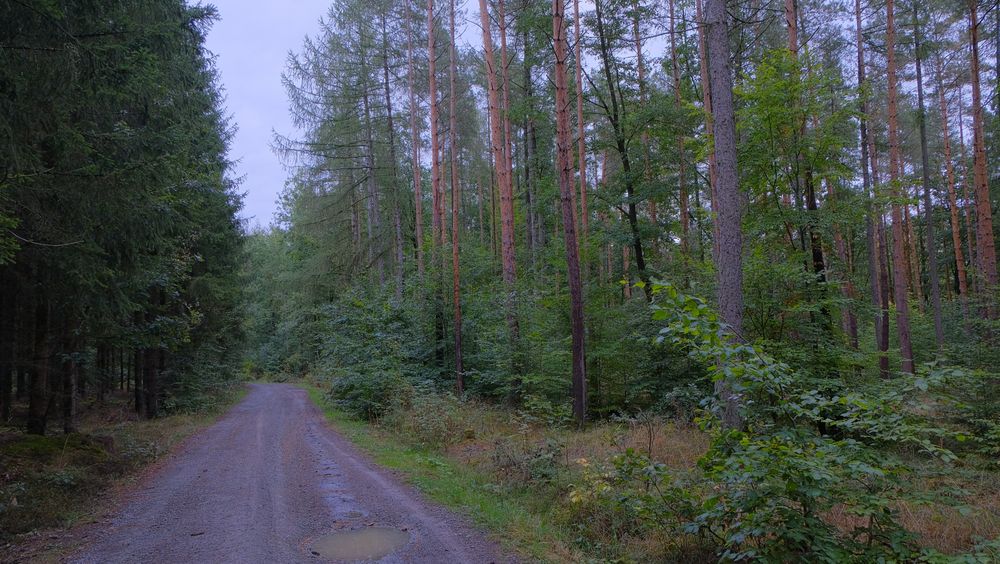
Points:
[(514, 516), (57, 481), (560, 495)]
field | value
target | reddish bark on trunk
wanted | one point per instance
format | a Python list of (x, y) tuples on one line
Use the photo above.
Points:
[(455, 200), (501, 162), (682, 189), (436, 222)]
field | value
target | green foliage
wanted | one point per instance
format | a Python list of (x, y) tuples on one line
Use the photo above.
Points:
[(633, 495), (369, 394), (540, 410), (518, 460), (823, 433), (117, 211), (778, 489), (804, 451), (430, 420)]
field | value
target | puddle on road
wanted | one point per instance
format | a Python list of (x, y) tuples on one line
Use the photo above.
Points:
[(363, 544)]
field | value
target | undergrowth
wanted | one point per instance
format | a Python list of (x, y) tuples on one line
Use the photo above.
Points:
[(633, 489), (820, 471)]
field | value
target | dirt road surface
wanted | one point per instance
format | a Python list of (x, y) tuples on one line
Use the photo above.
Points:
[(270, 482)]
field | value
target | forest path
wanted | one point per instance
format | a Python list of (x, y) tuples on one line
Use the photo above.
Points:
[(272, 482)]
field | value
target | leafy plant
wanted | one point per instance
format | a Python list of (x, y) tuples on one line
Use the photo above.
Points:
[(804, 450)]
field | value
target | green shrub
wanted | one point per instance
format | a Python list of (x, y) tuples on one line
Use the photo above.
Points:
[(369, 395), (535, 409), (773, 492), (428, 419), (519, 460), (805, 448), (631, 495)]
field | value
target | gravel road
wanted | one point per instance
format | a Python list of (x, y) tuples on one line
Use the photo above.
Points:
[(270, 482)]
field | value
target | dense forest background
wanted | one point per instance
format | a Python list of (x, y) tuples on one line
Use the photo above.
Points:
[(768, 219), (120, 249), (865, 224), (773, 217)]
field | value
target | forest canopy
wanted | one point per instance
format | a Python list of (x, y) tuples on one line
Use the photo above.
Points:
[(773, 218)]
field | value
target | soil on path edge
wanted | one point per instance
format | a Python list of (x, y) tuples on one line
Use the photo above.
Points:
[(268, 483)]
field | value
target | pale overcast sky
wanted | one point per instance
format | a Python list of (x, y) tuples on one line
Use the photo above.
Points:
[(251, 42)]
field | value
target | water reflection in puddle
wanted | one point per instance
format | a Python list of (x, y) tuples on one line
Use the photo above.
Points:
[(363, 544)]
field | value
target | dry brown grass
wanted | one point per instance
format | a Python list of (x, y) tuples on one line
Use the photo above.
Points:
[(491, 439), (677, 446), (950, 529)]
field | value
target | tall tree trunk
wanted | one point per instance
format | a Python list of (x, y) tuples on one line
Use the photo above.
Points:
[(931, 244), (397, 216), (791, 22), (564, 160), (644, 137), (455, 201), (436, 220), (706, 93), (627, 272), (581, 132), (815, 243), (501, 154), (6, 384), (681, 188), (804, 166), (374, 209), (530, 198), (970, 231), (418, 198), (152, 363), (8, 343), (150, 383), (730, 208), (899, 257), (101, 371), (494, 224), (505, 117), (479, 201), (355, 214), (539, 218), (507, 189), (21, 377), (912, 255), (138, 367), (122, 379), (848, 320), (70, 375), (984, 209), (956, 231)]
